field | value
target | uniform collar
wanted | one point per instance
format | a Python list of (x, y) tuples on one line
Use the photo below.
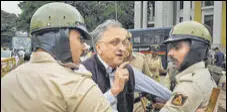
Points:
[(191, 69), (41, 56), (44, 57)]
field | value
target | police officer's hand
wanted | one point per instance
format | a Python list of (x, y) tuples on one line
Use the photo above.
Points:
[(121, 77)]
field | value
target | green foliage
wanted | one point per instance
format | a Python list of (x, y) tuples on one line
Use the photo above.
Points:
[(28, 9), (94, 12), (8, 21)]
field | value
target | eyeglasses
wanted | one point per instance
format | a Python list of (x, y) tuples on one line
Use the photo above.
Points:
[(118, 42)]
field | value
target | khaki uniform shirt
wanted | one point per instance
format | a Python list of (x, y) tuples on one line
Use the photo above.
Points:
[(171, 73), (42, 85), (140, 63), (193, 90), (155, 66)]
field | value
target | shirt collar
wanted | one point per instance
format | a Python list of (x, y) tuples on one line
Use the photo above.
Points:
[(107, 67), (42, 57), (192, 69)]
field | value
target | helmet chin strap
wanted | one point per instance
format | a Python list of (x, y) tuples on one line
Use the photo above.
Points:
[(198, 52)]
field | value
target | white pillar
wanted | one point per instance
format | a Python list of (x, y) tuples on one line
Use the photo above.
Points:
[(144, 14), (193, 10), (217, 23), (158, 13), (186, 11), (163, 13), (137, 14), (169, 13), (151, 11)]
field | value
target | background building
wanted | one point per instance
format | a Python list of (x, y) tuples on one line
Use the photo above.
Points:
[(168, 13)]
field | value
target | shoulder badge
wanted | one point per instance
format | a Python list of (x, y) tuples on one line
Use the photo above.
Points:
[(179, 100)]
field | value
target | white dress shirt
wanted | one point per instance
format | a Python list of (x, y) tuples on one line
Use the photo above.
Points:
[(109, 96), (143, 83)]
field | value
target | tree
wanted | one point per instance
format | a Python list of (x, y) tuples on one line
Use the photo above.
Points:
[(28, 9), (96, 12), (8, 21), (126, 13)]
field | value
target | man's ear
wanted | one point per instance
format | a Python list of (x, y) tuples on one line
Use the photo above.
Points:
[(98, 49)]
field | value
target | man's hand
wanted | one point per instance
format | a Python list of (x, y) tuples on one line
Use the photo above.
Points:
[(121, 77)]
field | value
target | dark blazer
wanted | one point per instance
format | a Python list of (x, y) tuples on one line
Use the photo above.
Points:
[(99, 75)]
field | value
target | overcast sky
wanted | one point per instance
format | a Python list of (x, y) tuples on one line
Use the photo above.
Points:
[(10, 6)]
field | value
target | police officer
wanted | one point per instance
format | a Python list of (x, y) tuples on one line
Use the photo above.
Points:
[(137, 59), (145, 94), (43, 84), (155, 64), (219, 57), (188, 46)]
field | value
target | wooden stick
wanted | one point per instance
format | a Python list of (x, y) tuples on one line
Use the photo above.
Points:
[(142, 99), (213, 100)]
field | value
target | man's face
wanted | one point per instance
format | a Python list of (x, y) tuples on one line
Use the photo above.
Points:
[(76, 45), (112, 46), (177, 52)]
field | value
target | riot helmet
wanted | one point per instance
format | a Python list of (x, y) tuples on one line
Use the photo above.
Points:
[(50, 26), (198, 37)]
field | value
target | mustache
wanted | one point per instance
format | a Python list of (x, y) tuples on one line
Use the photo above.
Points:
[(172, 59)]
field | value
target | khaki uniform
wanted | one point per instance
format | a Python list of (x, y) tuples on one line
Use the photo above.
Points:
[(167, 80), (138, 60), (139, 63), (193, 90), (155, 66), (170, 76), (42, 85), (138, 107)]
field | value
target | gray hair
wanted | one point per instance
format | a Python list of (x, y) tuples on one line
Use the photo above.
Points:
[(100, 29)]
